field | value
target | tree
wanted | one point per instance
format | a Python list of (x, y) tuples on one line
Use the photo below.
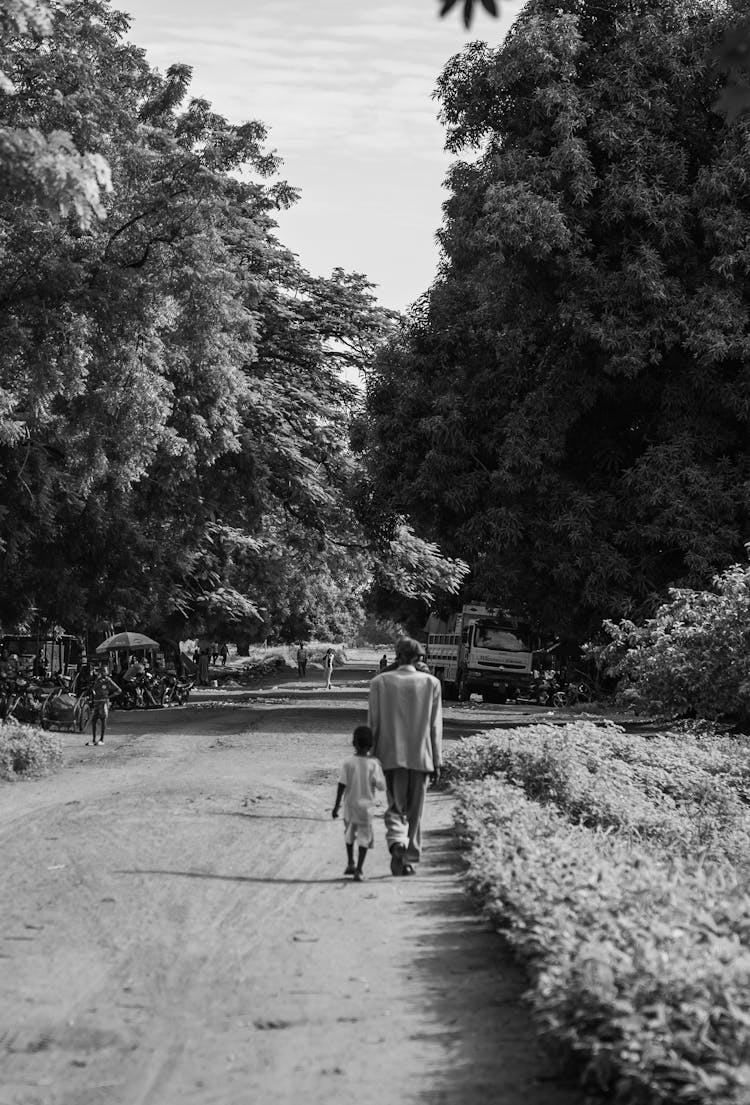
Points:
[(567, 407), (172, 408), (692, 657), (46, 168)]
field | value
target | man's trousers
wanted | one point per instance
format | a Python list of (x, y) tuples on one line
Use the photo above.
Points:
[(403, 819)]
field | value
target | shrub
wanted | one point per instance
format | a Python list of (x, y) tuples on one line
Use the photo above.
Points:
[(640, 963), (26, 751), (685, 794), (693, 656)]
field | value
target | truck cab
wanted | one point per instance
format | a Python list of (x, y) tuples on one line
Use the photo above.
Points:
[(488, 653)]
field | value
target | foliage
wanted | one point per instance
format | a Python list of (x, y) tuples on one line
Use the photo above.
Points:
[(468, 8), (692, 656), (26, 751), (47, 169), (640, 961), (174, 422), (732, 55), (686, 795), (567, 408)]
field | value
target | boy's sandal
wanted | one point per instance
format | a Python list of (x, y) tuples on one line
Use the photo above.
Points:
[(407, 869), (350, 869)]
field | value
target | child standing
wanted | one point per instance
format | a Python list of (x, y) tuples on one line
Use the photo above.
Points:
[(102, 686), (361, 775)]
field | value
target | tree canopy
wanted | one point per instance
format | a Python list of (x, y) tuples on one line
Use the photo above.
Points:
[(568, 407), (174, 418)]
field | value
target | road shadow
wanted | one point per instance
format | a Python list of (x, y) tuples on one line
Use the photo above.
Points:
[(241, 878), (268, 816), (474, 990)]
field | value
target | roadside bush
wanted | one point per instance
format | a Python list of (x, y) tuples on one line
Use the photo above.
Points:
[(684, 794), (640, 963), (693, 656), (26, 751)]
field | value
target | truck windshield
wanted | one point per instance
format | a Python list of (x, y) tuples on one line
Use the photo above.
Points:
[(490, 636)]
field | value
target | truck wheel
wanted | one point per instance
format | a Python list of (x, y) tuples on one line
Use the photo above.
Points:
[(462, 689)]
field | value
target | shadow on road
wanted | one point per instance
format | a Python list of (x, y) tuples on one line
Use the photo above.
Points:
[(268, 816), (474, 989), (240, 878)]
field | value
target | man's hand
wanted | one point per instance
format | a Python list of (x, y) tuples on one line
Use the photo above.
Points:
[(435, 775), (335, 811)]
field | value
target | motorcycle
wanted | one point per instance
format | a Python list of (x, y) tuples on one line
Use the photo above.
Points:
[(144, 691), (176, 691), (23, 702), (545, 688)]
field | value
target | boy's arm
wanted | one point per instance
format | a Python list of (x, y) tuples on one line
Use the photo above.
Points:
[(339, 795)]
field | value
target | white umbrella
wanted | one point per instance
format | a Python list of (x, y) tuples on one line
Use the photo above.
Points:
[(127, 641)]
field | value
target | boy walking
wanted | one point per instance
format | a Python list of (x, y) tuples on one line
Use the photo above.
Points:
[(101, 688), (360, 777)]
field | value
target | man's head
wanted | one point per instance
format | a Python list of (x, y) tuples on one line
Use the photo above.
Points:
[(408, 651), (362, 738)]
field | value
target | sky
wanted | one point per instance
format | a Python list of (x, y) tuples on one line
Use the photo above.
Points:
[(345, 90)]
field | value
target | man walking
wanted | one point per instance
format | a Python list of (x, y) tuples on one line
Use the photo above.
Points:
[(406, 717)]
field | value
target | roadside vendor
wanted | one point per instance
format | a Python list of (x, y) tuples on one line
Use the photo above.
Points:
[(134, 671)]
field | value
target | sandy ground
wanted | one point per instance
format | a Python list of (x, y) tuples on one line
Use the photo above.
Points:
[(175, 928)]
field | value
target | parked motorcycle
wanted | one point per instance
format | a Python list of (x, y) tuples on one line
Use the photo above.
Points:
[(141, 693), (176, 691), (545, 688), (23, 701)]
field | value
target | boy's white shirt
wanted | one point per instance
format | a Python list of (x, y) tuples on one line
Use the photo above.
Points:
[(362, 776)]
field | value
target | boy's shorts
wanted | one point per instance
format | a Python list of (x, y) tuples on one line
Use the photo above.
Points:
[(359, 833), (100, 710)]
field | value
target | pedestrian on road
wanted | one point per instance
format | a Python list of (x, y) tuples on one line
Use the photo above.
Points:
[(203, 661), (301, 660), (224, 653), (328, 667), (383, 662), (361, 776), (102, 686), (405, 714)]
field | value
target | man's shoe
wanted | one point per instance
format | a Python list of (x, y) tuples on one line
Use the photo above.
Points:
[(359, 876), (398, 851)]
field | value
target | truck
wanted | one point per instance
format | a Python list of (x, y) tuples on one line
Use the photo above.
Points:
[(482, 650)]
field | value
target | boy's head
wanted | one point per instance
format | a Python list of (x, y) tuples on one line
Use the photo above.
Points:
[(362, 738)]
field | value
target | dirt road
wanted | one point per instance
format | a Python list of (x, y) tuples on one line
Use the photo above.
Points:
[(175, 928)]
